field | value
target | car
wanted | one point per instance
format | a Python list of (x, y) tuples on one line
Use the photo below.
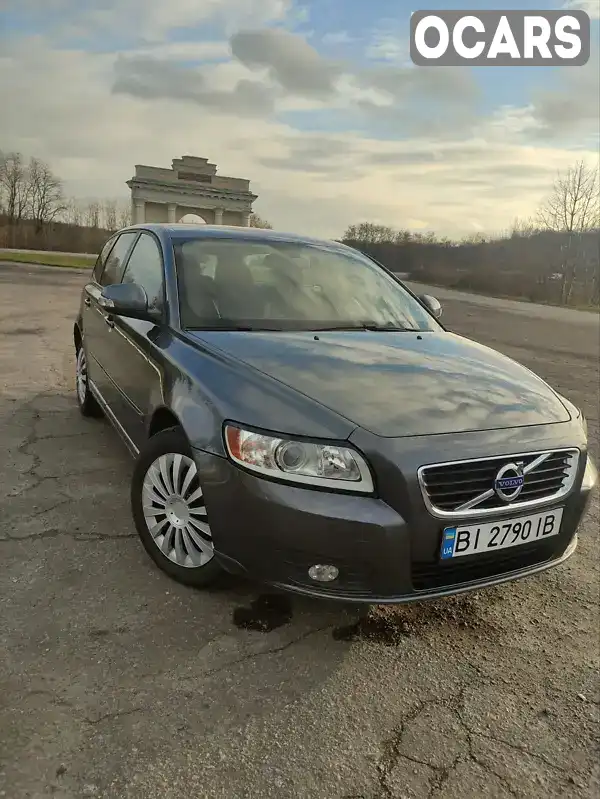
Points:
[(298, 415)]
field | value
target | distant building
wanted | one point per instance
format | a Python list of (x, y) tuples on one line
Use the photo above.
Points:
[(191, 186)]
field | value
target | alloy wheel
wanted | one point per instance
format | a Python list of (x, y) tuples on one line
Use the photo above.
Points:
[(175, 512), (81, 375)]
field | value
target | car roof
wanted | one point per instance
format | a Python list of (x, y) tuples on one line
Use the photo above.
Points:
[(179, 230)]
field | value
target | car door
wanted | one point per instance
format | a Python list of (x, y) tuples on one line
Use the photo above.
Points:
[(134, 366), (91, 324), (97, 324)]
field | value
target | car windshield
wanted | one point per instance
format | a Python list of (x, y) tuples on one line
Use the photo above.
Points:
[(270, 285)]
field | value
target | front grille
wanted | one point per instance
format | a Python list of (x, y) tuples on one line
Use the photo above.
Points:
[(429, 576), (448, 487)]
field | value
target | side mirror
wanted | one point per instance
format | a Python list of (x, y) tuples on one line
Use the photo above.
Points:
[(127, 299), (433, 306)]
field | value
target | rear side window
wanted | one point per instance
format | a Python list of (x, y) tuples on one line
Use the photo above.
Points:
[(145, 267), (115, 263), (101, 260)]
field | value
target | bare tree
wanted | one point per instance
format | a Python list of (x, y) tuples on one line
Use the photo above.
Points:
[(572, 208), (74, 212), (574, 203), (110, 215), (92, 214), (46, 196), (403, 237), (523, 228), (258, 221), (370, 233), (124, 216), (14, 186), (475, 238)]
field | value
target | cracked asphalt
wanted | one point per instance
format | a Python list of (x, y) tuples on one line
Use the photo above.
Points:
[(117, 683)]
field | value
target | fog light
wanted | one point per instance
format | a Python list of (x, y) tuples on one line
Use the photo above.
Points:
[(323, 574)]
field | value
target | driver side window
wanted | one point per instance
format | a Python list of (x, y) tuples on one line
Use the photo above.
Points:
[(145, 267), (101, 260), (113, 270)]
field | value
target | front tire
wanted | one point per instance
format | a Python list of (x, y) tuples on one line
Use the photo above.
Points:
[(86, 401), (169, 511)]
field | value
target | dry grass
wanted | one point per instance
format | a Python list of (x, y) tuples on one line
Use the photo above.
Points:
[(48, 259)]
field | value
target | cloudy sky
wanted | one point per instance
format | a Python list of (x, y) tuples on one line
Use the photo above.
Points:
[(314, 101)]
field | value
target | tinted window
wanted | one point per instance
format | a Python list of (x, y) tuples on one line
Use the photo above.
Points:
[(101, 260), (289, 286), (115, 263), (145, 267)]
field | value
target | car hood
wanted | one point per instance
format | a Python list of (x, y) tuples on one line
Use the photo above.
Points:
[(400, 384)]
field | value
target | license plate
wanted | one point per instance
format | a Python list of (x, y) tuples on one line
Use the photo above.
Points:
[(473, 539)]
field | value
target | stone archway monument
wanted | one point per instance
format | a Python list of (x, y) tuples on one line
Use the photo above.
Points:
[(191, 186)]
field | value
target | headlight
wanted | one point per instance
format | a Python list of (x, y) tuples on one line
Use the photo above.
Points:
[(317, 465)]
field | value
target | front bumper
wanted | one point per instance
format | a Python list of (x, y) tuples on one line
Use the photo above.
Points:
[(274, 532)]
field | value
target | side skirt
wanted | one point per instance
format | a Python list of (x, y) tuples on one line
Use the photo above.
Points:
[(133, 450)]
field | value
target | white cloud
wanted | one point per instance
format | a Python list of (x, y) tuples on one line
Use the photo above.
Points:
[(288, 59), (151, 19), (184, 51), (572, 103), (335, 38), (312, 183), (592, 7), (387, 45), (219, 88)]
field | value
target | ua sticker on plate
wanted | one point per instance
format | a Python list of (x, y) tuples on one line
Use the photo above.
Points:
[(448, 542)]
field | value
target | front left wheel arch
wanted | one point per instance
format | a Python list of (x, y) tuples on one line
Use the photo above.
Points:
[(77, 336), (163, 418), (88, 404)]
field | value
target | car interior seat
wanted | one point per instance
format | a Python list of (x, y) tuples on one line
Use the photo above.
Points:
[(298, 298), (198, 292), (237, 295)]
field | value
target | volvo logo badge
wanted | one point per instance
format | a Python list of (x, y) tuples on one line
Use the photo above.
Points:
[(509, 481)]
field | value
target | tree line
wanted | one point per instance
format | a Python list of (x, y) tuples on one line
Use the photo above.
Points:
[(551, 257), (36, 213)]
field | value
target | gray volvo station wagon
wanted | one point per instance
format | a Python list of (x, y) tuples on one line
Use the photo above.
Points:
[(298, 415)]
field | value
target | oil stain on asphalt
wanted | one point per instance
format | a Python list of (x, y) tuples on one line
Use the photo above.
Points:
[(390, 625), (384, 624), (265, 613)]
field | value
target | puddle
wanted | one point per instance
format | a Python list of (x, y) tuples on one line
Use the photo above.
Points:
[(390, 624), (267, 612)]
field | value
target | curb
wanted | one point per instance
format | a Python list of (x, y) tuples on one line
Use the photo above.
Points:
[(39, 264)]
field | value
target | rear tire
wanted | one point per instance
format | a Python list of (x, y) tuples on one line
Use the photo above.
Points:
[(86, 401), (169, 512)]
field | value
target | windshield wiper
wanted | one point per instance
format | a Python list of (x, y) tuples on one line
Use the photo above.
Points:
[(370, 327), (389, 328), (236, 328)]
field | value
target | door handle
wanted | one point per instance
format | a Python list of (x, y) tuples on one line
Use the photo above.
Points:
[(87, 302)]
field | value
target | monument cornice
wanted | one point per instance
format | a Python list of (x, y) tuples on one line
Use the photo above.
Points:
[(191, 190)]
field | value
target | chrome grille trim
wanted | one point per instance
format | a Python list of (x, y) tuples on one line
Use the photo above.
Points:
[(471, 507)]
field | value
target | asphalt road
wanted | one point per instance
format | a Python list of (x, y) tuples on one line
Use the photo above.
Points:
[(116, 683)]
